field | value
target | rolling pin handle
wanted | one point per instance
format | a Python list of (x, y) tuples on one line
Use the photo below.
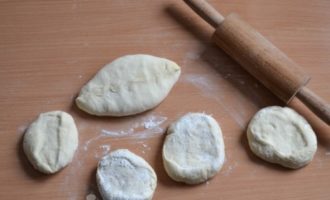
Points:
[(206, 11), (315, 103)]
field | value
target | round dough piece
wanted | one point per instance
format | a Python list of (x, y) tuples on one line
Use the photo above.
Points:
[(51, 141), (193, 150), (280, 135), (126, 176), (129, 85)]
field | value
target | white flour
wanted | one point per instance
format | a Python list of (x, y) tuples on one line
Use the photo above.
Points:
[(145, 147), (102, 150), (154, 121), (191, 56), (147, 127), (88, 142), (214, 90), (229, 169), (91, 196), (150, 124)]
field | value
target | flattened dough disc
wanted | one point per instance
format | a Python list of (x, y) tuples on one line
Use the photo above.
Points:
[(280, 135), (193, 150), (125, 176)]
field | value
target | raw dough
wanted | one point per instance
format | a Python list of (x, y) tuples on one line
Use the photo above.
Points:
[(129, 85), (51, 141), (125, 176), (193, 150), (280, 135)]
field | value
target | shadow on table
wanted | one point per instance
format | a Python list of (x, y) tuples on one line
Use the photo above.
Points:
[(93, 189)]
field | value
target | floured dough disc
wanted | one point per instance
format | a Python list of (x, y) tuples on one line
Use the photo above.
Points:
[(280, 135), (125, 176), (129, 85), (193, 150), (51, 141)]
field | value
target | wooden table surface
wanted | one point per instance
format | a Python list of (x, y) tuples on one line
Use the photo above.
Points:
[(50, 49)]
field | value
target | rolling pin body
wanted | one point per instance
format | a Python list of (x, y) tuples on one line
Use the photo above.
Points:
[(261, 58)]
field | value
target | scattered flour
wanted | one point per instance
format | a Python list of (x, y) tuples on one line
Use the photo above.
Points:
[(150, 124), (192, 55), (102, 150), (145, 148), (147, 127), (214, 90), (91, 196), (154, 121), (88, 142), (229, 169)]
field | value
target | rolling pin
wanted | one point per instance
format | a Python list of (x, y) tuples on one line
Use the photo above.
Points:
[(261, 58)]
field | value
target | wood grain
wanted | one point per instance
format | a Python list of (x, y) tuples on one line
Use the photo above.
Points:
[(206, 12), (315, 103), (49, 49), (260, 58)]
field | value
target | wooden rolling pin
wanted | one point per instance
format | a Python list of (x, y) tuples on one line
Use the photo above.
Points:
[(261, 58)]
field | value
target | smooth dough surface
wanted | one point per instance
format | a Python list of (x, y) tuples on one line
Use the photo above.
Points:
[(280, 135), (129, 85), (51, 141), (193, 150), (122, 175)]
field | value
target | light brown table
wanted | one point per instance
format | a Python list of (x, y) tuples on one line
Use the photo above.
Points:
[(50, 49)]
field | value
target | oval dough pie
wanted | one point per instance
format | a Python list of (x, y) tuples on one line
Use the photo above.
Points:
[(51, 141), (280, 135), (129, 85)]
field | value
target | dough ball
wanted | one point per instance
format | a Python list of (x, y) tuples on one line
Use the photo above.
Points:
[(129, 85), (51, 141), (193, 150), (125, 176), (280, 135)]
